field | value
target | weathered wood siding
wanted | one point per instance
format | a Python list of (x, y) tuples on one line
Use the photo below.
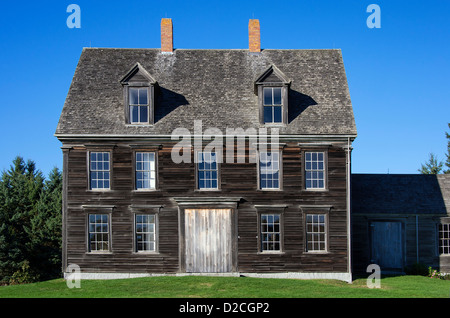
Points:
[(175, 180)]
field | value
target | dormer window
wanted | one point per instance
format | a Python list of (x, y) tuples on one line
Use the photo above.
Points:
[(273, 105), (139, 96), (272, 88), (139, 105)]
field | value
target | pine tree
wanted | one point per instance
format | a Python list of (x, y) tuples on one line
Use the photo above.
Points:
[(20, 189), (44, 246), (432, 166)]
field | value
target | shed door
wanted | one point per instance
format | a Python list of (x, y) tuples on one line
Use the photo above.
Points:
[(208, 240), (387, 249)]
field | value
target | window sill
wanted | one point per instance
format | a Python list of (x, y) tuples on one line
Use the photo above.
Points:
[(98, 190), (139, 125), (99, 253), (145, 190), (147, 253), (316, 252), (274, 125), (316, 190), (271, 253), (271, 190), (207, 190)]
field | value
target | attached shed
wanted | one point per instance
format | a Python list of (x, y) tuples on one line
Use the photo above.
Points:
[(400, 220)]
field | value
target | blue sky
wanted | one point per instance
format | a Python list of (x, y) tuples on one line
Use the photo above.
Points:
[(398, 74)]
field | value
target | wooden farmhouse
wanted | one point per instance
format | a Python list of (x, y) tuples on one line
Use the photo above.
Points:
[(211, 162)]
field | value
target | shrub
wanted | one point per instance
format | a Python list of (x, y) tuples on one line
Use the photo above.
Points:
[(433, 273)]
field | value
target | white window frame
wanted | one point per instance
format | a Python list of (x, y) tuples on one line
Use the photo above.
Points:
[(152, 234), (130, 105), (198, 171), (444, 238), (95, 169), (265, 234), (272, 105), (101, 232), (151, 171), (308, 168), (272, 169), (312, 231)]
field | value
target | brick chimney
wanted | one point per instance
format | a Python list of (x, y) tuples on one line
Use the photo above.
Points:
[(166, 35), (254, 36)]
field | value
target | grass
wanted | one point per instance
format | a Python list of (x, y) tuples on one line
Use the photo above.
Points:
[(232, 287)]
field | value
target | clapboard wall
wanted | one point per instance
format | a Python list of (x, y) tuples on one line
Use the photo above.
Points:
[(178, 180)]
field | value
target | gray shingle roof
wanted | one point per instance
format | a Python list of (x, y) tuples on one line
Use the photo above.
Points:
[(400, 194), (216, 86)]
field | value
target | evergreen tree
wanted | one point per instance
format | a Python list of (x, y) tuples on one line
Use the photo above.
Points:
[(30, 223), (44, 246), (432, 166), (20, 189)]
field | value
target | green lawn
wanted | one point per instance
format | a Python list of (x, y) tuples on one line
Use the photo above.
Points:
[(232, 287)]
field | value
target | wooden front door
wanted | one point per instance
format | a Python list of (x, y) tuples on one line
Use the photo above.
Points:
[(387, 251), (208, 240)]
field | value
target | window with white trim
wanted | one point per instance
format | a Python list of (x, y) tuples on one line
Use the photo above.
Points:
[(444, 239), (145, 171), (145, 232), (207, 170), (272, 105), (269, 170), (98, 232), (139, 105), (316, 233), (314, 170), (270, 232), (99, 170)]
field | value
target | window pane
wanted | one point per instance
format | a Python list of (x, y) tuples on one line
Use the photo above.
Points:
[(143, 116), (134, 96), (277, 96), (277, 114), (268, 96), (268, 118), (143, 100), (134, 114)]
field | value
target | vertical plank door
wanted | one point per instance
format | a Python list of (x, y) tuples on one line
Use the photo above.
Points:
[(387, 249), (208, 240)]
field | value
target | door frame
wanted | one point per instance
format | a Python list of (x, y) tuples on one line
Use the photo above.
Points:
[(207, 203)]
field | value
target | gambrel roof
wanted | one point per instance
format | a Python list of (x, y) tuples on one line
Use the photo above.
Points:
[(215, 86)]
